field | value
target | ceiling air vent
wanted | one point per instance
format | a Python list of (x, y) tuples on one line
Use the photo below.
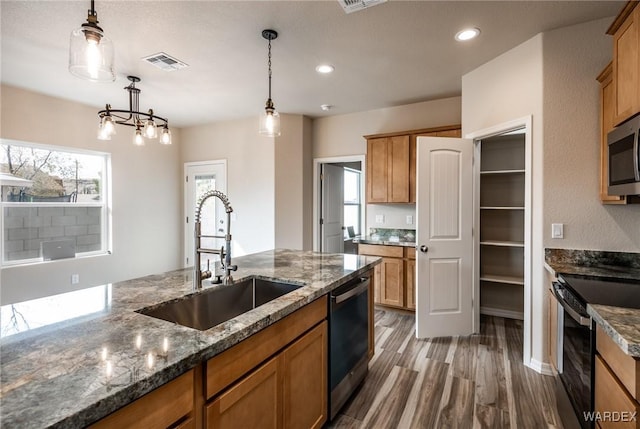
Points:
[(356, 5), (165, 62)]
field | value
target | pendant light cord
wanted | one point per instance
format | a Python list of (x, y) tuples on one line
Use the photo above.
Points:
[(269, 68)]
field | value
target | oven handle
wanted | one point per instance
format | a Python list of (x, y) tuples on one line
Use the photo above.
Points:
[(362, 286), (581, 320), (636, 156)]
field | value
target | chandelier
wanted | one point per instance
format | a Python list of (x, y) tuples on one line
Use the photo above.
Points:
[(144, 123), (270, 119), (91, 52)]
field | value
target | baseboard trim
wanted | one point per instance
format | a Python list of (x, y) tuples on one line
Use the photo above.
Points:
[(541, 367), (499, 312)]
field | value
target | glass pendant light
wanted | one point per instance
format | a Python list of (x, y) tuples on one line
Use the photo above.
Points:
[(270, 119), (91, 52), (138, 139), (107, 128), (150, 129), (165, 135)]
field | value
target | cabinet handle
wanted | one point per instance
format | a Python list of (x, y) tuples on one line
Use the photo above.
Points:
[(424, 249)]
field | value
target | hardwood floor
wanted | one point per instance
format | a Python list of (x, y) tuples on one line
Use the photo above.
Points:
[(477, 381)]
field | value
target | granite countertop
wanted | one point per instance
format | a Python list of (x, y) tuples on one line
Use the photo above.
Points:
[(74, 372), (621, 324), (385, 241)]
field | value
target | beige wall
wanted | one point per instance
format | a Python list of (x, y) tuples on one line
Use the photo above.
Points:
[(342, 135), (293, 176), (250, 177), (145, 188), (573, 57), (507, 88)]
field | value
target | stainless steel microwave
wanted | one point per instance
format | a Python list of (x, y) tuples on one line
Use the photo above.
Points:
[(623, 154)]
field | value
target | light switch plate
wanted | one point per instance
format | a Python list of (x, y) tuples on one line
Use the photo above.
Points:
[(379, 218), (557, 230)]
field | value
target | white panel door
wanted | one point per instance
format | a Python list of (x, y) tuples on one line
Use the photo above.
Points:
[(444, 272), (332, 221), (199, 179)]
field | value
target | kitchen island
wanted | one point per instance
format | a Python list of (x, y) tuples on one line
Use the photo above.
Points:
[(74, 372)]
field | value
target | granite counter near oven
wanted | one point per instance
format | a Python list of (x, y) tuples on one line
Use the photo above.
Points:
[(619, 323), (58, 376)]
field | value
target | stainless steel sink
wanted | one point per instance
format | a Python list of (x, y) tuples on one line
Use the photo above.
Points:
[(214, 306)]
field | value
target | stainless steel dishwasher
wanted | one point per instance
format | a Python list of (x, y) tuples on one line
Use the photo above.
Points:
[(348, 340)]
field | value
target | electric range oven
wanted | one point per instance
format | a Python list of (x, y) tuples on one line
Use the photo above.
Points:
[(576, 354)]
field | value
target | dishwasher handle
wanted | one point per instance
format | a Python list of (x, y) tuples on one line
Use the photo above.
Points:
[(580, 319), (357, 289)]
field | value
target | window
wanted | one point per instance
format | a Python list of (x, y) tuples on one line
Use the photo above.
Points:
[(60, 207), (352, 201)]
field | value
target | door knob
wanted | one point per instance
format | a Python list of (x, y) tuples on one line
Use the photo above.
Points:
[(424, 249)]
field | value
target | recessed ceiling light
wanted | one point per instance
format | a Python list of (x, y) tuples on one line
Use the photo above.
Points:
[(326, 107), (325, 68), (467, 34)]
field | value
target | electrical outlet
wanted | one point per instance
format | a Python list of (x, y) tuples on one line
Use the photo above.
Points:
[(75, 279), (557, 230), (409, 220), (379, 218)]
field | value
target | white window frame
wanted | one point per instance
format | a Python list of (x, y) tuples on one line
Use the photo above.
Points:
[(106, 201)]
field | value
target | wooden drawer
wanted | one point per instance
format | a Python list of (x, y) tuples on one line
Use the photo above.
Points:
[(380, 250), (227, 367), (626, 368), (410, 252), (159, 408), (613, 405)]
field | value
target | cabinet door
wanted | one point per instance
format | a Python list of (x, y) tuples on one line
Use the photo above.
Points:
[(625, 68), (392, 282), (607, 110), (398, 174), (553, 329), (410, 283), (377, 170), (412, 169), (162, 407), (305, 380), (611, 396), (254, 402), (377, 274)]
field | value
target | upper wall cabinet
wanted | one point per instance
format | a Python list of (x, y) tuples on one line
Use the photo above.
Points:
[(391, 163), (606, 124), (626, 63)]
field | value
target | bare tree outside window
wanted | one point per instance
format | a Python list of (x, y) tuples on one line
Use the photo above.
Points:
[(63, 207)]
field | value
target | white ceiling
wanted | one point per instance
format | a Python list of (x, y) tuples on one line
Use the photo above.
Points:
[(395, 53)]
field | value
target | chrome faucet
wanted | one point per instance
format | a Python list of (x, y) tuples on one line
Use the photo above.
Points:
[(224, 252)]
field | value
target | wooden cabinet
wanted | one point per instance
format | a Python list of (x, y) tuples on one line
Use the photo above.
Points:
[(395, 276), (252, 403), (275, 378), (388, 170), (168, 405), (607, 100), (377, 170), (391, 163), (626, 63), (410, 277), (288, 391), (617, 385), (305, 380)]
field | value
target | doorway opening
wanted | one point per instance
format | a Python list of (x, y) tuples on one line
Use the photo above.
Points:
[(201, 177), (503, 219), (339, 206)]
